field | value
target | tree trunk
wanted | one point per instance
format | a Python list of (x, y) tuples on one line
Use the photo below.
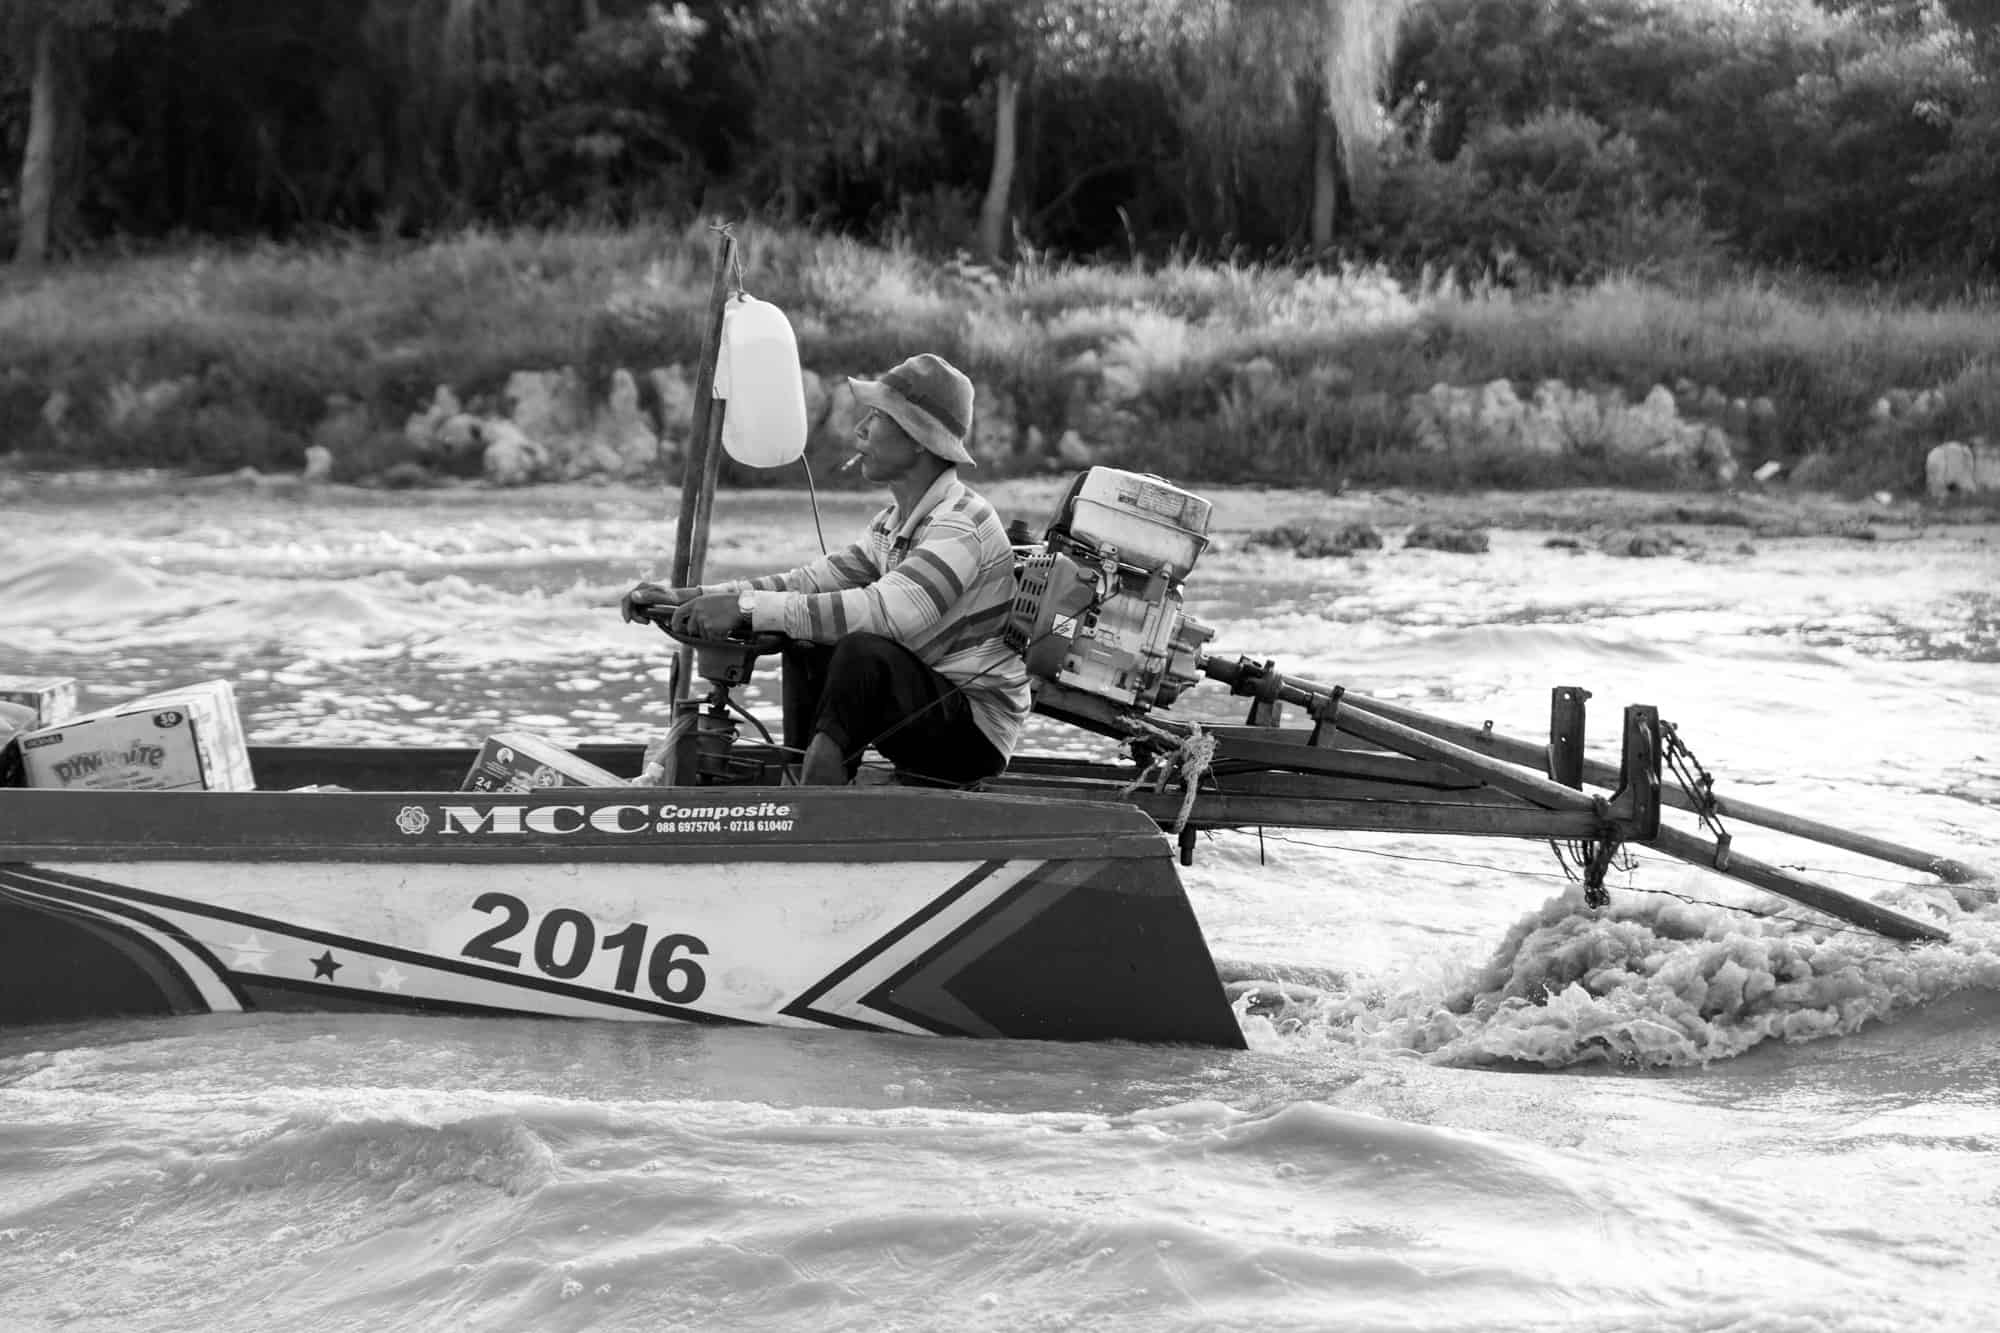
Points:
[(1326, 180), (41, 159), (1000, 183)]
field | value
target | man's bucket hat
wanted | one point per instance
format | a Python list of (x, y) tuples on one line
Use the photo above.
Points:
[(928, 397)]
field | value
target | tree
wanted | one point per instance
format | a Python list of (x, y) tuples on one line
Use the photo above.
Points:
[(57, 32), (1357, 48), (987, 75), (1330, 58), (1005, 41), (1004, 45), (833, 110), (50, 120)]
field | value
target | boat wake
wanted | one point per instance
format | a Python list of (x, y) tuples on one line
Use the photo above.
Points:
[(1650, 981)]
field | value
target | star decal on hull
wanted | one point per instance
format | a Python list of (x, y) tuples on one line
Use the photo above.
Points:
[(250, 953)]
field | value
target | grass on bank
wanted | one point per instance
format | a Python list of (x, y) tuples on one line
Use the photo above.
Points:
[(269, 333)]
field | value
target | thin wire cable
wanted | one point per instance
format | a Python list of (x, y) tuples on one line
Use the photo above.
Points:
[(754, 721), (813, 492), (1850, 874), (1899, 881)]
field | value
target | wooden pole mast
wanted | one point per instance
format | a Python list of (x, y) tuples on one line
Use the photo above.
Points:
[(699, 470), (704, 456)]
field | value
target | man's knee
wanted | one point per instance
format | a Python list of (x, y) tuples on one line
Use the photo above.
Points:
[(860, 692)]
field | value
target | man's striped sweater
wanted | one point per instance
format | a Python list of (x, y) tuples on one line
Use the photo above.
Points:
[(939, 580)]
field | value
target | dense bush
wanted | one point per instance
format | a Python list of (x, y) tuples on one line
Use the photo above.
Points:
[(1527, 140), (1556, 199), (1851, 140)]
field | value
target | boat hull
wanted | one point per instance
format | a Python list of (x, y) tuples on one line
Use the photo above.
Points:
[(889, 910)]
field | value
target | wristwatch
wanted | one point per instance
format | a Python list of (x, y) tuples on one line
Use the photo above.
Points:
[(746, 607)]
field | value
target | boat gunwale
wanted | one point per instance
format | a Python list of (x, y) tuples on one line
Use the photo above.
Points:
[(880, 824)]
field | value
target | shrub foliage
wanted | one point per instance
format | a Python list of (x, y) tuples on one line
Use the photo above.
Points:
[(1525, 140)]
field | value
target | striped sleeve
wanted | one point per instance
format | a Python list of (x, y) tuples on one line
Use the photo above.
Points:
[(906, 604), (849, 567), (852, 566)]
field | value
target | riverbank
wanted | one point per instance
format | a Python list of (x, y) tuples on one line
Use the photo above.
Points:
[(538, 356)]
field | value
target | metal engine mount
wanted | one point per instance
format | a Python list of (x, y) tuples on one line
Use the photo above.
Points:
[(1098, 609)]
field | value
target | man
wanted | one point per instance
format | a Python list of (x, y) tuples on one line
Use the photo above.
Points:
[(904, 625)]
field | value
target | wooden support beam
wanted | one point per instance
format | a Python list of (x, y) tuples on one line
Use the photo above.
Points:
[(1507, 777), (1324, 733), (1422, 736), (1566, 722), (1602, 774), (1230, 810), (1834, 903), (1262, 748), (1304, 787), (1636, 806), (1486, 741)]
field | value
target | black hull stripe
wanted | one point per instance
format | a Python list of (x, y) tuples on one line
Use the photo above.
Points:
[(272, 996), (87, 893), (802, 1007), (355, 944), (168, 979), (1046, 883)]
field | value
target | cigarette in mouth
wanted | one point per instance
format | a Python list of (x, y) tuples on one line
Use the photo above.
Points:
[(848, 466)]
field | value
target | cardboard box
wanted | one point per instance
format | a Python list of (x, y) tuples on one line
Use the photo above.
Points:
[(523, 761), (224, 748), (185, 739), (51, 699), (17, 718)]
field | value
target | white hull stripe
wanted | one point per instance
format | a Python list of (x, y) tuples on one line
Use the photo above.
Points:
[(175, 949), (499, 992), (897, 982)]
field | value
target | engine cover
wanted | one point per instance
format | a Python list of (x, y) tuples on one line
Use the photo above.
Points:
[(1098, 606), (1140, 522)]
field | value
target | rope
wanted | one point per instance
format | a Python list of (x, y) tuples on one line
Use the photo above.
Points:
[(1191, 759), (727, 229)]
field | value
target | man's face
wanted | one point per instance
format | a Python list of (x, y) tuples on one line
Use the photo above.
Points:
[(887, 451)]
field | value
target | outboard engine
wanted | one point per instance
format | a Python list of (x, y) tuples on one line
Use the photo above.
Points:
[(1098, 609)]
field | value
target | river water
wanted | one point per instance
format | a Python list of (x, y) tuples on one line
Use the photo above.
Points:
[(1474, 1104)]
